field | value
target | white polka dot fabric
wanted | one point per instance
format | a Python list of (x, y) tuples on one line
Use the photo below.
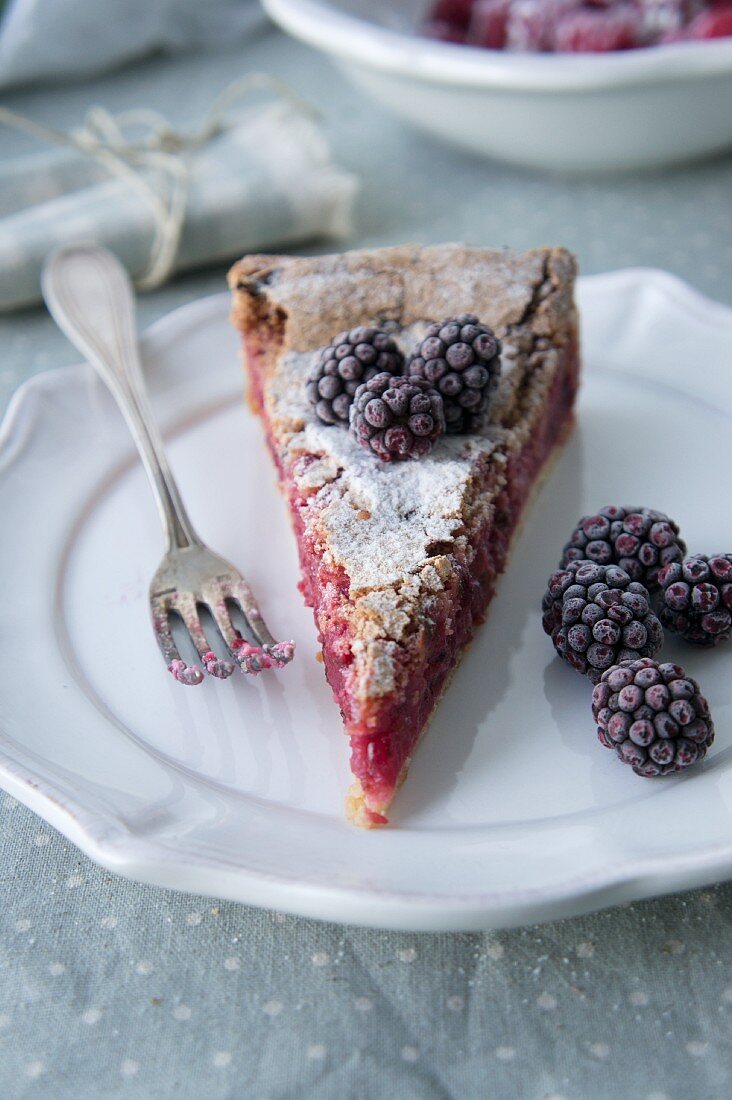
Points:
[(113, 983)]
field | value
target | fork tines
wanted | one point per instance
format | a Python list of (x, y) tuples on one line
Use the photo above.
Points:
[(217, 595)]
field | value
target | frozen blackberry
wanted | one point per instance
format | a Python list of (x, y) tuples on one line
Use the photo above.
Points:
[(597, 616), (640, 540), (653, 716), (461, 358), (339, 369), (696, 598), (397, 417)]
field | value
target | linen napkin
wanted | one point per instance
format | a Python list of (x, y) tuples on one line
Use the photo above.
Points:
[(262, 178), (43, 40)]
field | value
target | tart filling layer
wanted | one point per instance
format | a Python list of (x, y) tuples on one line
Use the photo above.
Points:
[(400, 561)]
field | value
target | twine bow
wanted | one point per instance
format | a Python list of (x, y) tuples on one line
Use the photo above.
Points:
[(156, 164)]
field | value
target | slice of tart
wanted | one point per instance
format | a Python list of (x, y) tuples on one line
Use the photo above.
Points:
[(400, 560)]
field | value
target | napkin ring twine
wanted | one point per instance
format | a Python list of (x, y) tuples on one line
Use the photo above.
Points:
[(103, 136)]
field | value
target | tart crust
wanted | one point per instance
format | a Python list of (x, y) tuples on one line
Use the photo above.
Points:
[(400, 560)]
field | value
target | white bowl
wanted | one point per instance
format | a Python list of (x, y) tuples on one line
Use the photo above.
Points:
[(635, 109)]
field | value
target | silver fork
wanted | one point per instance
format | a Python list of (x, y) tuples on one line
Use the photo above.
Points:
[(89, 295)]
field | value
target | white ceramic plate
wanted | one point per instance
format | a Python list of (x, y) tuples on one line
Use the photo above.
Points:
[(512, 811), (623, 110)]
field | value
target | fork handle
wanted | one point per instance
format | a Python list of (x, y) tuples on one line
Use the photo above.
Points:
[(90, 296)]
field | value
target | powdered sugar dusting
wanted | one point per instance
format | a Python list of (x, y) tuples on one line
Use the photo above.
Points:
[(404, 285), (382, 519), (404, 532)]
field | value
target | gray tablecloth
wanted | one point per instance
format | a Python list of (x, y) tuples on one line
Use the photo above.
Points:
[(111, 989)]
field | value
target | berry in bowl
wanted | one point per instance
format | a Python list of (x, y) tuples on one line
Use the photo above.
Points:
[(576, 26), (568, 86)]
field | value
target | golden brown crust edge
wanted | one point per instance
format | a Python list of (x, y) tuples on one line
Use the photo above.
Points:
[(309, 298)]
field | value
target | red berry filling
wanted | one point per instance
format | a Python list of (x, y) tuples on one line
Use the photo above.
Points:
[(384, 730), (577, 26)]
